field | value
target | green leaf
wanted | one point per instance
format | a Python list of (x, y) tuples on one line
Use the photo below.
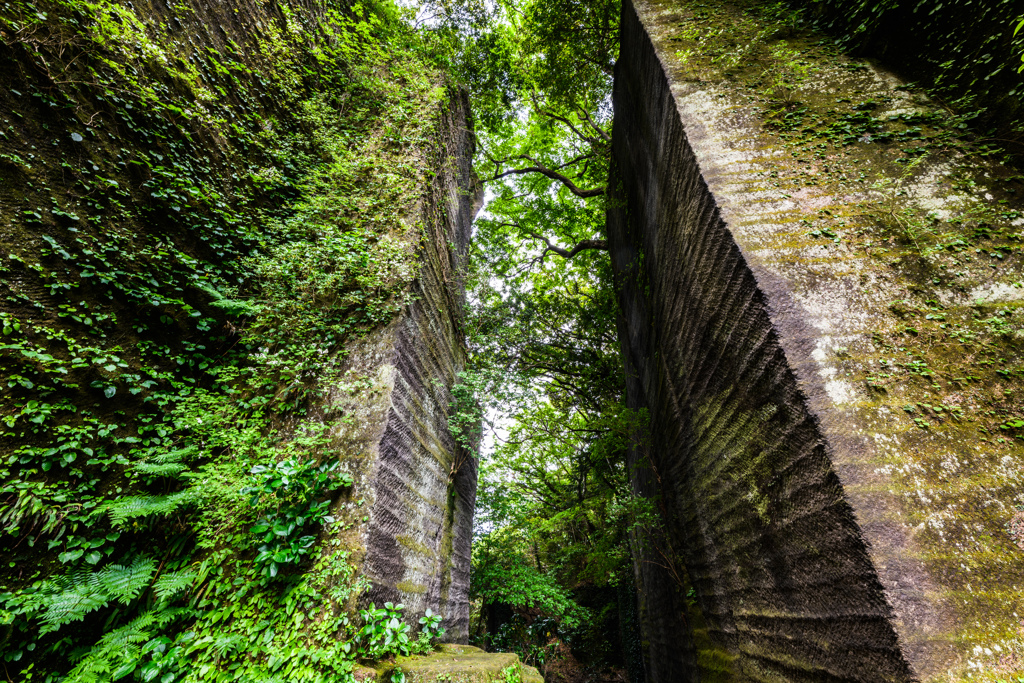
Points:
[(125, 583), (71, 555), (123, 671)]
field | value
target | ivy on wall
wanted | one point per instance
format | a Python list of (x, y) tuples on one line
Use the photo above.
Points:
[(198, 208)]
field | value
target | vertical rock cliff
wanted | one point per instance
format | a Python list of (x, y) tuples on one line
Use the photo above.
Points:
[(421, 483), (233, 240), (808, 295)]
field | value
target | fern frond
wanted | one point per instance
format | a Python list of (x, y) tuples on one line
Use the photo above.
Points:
[(177, 455), (162, 617), (117, 652), (172, 583), (95, 671), (228, 644), (155, 469), (132, 507), (72, 605), (125, 583), (166, 464)]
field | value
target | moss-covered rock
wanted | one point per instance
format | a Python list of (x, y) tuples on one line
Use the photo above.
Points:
[(820, 276), (462, 664)]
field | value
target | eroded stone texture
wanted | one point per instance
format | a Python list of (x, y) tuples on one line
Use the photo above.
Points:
[(826, 535), (415, 485)]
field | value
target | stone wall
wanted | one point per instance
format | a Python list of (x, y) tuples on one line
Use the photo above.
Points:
[(830, 513), (166, 171), (419, 483)]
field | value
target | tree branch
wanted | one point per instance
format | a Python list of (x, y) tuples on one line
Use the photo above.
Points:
[(582, 245), (547, 172), (590, 122), (551, 115)]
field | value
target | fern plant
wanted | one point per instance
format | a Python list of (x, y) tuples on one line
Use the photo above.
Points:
[(172, 584), (169, 464), (71, 597), (127, 508), (135, 646)]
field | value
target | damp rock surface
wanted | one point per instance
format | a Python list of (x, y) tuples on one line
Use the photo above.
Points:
[(818, 275), (457, 664)]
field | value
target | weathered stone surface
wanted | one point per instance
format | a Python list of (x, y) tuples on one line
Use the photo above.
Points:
[(416, 486), (463, 664), (975, 58), (825, 534)]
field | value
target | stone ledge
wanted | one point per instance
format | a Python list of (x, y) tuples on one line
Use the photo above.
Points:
[(455, 664)]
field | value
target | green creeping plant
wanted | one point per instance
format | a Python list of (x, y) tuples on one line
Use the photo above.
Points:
[(296, 490), (384, 633)]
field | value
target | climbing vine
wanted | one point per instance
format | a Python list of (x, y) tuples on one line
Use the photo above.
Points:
[(187, 259)]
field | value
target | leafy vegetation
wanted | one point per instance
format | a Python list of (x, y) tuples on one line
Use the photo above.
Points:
[(294, 489), (385, 633), (185, 269), (189, 262)]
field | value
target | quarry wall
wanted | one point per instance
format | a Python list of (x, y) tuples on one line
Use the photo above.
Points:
[(421, 480), (811, 269), (233, 240)]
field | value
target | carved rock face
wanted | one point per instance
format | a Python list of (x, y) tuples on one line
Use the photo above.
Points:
[(814, 530), (416, 484)]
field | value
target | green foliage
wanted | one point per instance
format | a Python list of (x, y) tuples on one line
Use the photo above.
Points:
[(383, 632), (504, 574), (532, 641), (1020, 25), (128, 508), (186, 266), (545, 359), (511, 674), (68, 598), (430, 625), (466, 418), (554, 508), (292, 489), (134, 648)]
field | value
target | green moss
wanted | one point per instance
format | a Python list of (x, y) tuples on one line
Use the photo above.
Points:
[(411, 588), (463, 664), (413, 545), (881, 196)]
